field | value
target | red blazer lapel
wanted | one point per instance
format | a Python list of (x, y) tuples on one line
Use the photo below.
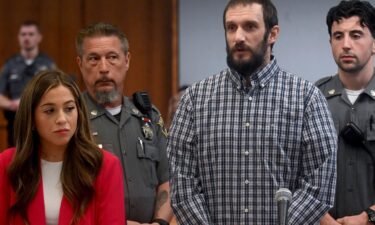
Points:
[(66, 212), (36, 211)]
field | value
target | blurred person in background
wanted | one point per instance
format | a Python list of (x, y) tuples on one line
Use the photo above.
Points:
[(19, 69), (173, 104)]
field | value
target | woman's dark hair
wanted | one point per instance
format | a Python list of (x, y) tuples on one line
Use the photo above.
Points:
[(346, 9), (82, 159)]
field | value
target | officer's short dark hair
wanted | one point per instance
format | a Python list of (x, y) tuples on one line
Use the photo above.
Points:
[(28, 23), (349, 8), (100, 30)]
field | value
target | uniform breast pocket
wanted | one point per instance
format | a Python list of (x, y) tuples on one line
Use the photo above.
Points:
[(104, 144), (149, 157)]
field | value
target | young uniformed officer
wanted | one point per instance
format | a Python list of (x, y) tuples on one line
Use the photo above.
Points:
[(351, 98), (19, 69), (130, 128)]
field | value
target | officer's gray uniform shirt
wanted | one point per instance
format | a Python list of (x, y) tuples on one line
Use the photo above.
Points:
[(355, 190), (143, 157)]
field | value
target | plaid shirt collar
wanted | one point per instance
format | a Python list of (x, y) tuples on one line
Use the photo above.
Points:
[(258, 79)]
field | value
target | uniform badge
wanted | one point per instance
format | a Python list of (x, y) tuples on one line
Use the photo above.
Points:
[(161, 125), (372, 93), (147, 131), (332, 91), (94, 112)]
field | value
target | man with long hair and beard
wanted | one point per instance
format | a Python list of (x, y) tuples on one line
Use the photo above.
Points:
[(239, 136), (249, 66)]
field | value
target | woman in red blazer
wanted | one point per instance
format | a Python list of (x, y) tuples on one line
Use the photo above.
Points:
[(57, 175)]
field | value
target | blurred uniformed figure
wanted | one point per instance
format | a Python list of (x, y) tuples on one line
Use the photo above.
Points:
[(19, 69), (129, 127), (173, 104)]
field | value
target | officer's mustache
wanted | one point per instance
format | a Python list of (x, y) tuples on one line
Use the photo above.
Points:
[(105, 80)]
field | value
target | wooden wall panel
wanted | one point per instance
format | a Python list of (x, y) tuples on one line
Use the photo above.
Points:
[(161, 42), (69, 23), (49, 22), (150, 26)]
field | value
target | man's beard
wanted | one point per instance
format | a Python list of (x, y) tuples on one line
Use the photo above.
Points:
[(247, 67), (105, 97)]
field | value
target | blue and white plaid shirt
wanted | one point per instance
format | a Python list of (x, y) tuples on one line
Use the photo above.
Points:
[(231, 148)]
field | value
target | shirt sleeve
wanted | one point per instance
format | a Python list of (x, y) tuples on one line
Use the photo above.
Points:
[(162, 166), (186, 192), (315, 191), (110, 192)]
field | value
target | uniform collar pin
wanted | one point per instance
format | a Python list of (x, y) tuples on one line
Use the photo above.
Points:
[(136, 111), (332, 91), (94, 112)]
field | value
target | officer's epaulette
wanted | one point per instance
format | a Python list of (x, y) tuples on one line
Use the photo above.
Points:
[(156, 110), (143, 103), (322, 81), (155, 113)]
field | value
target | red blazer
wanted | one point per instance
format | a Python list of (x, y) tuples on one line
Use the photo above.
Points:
[(106, 207)]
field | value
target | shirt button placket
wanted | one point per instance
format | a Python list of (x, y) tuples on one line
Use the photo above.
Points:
[(246, 153)]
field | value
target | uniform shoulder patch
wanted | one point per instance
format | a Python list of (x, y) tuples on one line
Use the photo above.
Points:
[(160, 123)]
